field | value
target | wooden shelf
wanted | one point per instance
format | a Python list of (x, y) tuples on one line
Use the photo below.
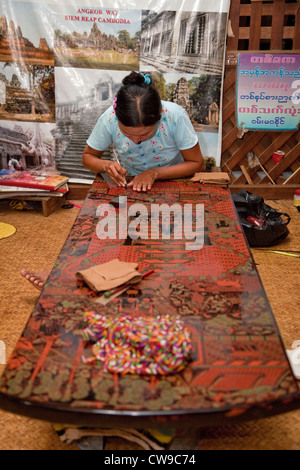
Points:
[(268, 191), (49, 204)]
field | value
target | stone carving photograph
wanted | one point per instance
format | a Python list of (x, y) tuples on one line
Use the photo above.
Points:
[(181, 41)]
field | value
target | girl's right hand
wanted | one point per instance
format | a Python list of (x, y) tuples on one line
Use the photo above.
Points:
[(116, 172)]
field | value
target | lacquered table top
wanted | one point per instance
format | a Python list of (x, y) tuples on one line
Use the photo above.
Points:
[(239, 369)]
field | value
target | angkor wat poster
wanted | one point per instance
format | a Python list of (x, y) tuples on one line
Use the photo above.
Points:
[(101, 38)]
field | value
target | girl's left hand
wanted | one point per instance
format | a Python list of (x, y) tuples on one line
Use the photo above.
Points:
[(144, 181)]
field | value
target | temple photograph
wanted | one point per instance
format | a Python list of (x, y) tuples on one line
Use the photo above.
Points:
[(199, 95), (27, 145), (110, 39), (27, 92), (19, 41)]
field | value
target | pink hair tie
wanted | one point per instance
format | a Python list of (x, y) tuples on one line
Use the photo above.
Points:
[(115, 103)]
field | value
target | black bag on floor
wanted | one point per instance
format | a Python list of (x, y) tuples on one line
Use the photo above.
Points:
[(262, 224)]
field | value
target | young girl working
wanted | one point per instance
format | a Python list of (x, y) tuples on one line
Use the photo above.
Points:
[(154, 139)]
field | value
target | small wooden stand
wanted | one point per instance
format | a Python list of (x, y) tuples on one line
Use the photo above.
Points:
[(49, 204)]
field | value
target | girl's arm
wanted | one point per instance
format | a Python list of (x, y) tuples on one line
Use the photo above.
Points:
[(193, 163), (92, 160)]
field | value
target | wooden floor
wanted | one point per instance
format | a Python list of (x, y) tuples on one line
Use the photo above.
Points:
[(36, 245)]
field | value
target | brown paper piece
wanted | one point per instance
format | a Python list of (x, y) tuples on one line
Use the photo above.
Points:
[(212, 178), (74, 434), (106, 276)]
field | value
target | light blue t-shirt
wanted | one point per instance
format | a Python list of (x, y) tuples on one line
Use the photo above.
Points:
[(174, 133)]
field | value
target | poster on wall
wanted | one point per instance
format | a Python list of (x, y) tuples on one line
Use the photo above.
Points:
[(268, 91), (61, 64)]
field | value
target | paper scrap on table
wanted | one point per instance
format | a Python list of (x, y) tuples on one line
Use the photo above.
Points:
[(106, 276)]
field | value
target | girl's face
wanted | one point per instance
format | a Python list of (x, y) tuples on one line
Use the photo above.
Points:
[(138, 134)]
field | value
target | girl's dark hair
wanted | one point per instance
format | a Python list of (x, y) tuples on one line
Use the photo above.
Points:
[(138, 104)]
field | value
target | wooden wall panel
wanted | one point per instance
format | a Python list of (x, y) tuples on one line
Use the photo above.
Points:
[(271, 27)]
